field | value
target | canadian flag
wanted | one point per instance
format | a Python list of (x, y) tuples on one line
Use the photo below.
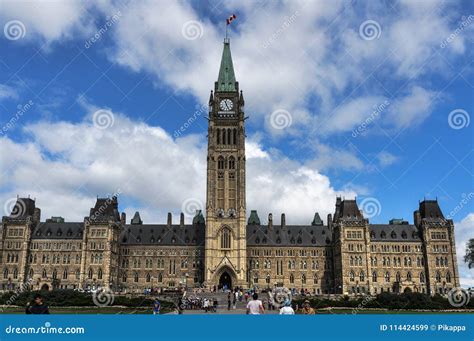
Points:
[(232, 17)]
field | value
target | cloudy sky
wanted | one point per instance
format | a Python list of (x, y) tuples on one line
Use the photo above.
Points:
[(355, 98)]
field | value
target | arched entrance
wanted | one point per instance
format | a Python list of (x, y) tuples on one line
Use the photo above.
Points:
[(45, 287), (225, 281)]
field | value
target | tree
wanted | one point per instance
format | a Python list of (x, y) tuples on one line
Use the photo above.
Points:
[(469, 257)]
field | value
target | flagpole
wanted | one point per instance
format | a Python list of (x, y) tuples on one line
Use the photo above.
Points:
[(226, 28)]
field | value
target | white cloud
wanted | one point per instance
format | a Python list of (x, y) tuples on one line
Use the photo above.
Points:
[(7, 92), (48, 20), (279, 65), (463, 232), (65, 165), (386, 159), (411, 109)]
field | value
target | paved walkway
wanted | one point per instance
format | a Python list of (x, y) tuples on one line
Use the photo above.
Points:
[(222, 305)]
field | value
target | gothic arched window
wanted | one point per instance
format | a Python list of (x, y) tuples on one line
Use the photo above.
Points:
[(235, 136), (448, 277), (229, 136), (90, 274), (352, 276), (409, 276), (220, 162), (387, 277), (148, 277), (135, 277), (223, 136), (397, 277), (231, 162), (218, 136), (422, 277), (225, 238), (362, 276), (99, 274), (292, 279), (65, 274), (438, 277), (374, 276)]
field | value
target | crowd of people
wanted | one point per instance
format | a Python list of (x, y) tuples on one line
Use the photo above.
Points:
[(254, 306)]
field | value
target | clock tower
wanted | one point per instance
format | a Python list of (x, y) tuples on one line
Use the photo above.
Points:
[(225, 258)]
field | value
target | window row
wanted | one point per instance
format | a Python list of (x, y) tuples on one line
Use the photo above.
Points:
[(226, 136)]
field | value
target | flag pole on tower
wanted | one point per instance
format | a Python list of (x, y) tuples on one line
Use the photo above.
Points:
[(228, 21)]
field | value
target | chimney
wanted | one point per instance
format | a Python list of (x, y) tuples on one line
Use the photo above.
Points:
[(417, 218), (329, 222), (123, 218), (37, 215), (169, 220), (181, 220), (283, 220), (270, 221)]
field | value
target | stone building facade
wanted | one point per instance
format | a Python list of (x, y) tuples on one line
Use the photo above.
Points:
[(343, 255)]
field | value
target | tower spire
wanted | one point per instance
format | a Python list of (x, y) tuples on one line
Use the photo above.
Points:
[(226, 79)]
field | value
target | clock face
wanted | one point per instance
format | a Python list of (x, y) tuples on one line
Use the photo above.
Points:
[(226, 104)]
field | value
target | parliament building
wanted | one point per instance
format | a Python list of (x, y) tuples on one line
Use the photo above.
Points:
[(345, 254)]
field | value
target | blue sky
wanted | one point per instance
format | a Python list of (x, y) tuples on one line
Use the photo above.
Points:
[(366, 99)]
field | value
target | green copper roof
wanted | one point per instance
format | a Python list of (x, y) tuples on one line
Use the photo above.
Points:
[(317, 220), (226, 80), (198, 218), (253, 219), (136, 220)]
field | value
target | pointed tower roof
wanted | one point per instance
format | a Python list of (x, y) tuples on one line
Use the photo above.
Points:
[(317, 220), (226, 80)]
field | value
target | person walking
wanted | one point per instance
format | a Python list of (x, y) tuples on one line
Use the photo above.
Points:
[(228, 301), (235, 298), (157, 307), (255, 306), (38, 306)]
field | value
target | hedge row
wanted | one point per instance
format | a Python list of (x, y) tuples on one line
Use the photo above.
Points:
[(387, 301), (64, 298)]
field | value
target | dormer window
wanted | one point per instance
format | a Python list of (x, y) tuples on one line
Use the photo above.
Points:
[(393, 235)]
